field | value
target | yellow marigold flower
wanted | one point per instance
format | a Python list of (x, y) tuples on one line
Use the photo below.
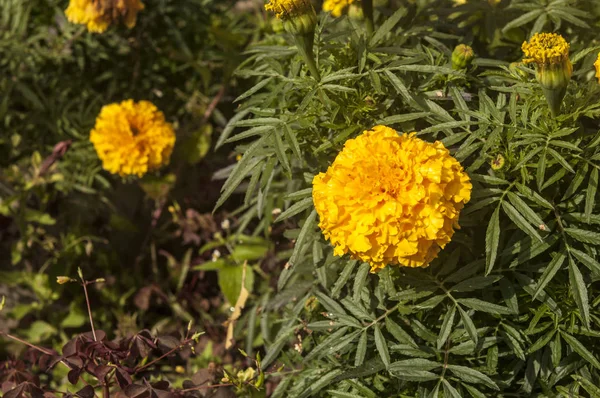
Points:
[(132, 138), (553, 68), (391, 199), (97, 15), (597, 66), (289, 8), (545, 48), (336, 7)]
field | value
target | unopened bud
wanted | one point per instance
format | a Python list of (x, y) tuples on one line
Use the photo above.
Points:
[(355, 12), (462, 56), (61, 280), (498, 162), (301, 24)]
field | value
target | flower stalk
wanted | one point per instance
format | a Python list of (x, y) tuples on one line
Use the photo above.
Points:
[(367, 6)]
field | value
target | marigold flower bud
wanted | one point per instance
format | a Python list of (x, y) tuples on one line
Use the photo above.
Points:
[(356, 12), (553, 68), (61, 280), (462, 56), (498, 162), (299, 16)]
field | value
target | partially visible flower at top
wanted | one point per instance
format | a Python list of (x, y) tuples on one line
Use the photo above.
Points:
[(132, 138), (299, 18), (553, 68), (391, 199), (336, 7), (597, 66), (288, 8), (462, 56), (546, 48), (98, 15)]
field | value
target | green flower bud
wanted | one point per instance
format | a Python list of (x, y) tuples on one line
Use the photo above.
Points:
[(301, 24), (498, 162), (462, 56), (356, 12)]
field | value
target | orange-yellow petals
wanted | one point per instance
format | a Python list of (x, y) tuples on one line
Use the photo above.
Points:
[(336, 7), (597, 66), (132, 138), (391, 199), (98, 15)]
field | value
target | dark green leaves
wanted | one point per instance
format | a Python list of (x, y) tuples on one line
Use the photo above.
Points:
[(492, 239)]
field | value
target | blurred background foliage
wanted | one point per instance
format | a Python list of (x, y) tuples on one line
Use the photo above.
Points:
[(60, 211)]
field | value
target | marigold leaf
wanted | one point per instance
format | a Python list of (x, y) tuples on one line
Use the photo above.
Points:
[(480, 305), (579, 348), (590, 196), (470, 375), (381, 345), (469, 325), (520, 221), (492, 239), (580, 293), (446, 327), (551, 269)]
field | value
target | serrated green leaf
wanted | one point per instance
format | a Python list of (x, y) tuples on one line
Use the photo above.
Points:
[(343, 278), (590, 196), (307, 228), (387, 26), (580, 349), (446, 327), (480, 305), (551, 269), (399, 334), (579, 291), (583, 235), (361, 349), (586, 260), (519, 220), (470, 375), (492, 239), (381, 345), (296, 208), (469, 325)]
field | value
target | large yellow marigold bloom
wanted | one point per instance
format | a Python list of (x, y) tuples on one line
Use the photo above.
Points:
[(132, 138), (597, 66), (336, 7), (97, 15), (391, 199)]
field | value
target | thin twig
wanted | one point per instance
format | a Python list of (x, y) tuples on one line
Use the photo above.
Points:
[(186, 342), (87, 301)]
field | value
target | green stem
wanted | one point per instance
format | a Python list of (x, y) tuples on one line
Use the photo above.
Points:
[(305, 42), (554, 97), (367, 6)]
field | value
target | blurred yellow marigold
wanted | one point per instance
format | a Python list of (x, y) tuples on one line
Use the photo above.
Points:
[(391, 199), (546, 48), (132, 138), (97, 15), (289, 8), (597, 66), (336, 7)]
